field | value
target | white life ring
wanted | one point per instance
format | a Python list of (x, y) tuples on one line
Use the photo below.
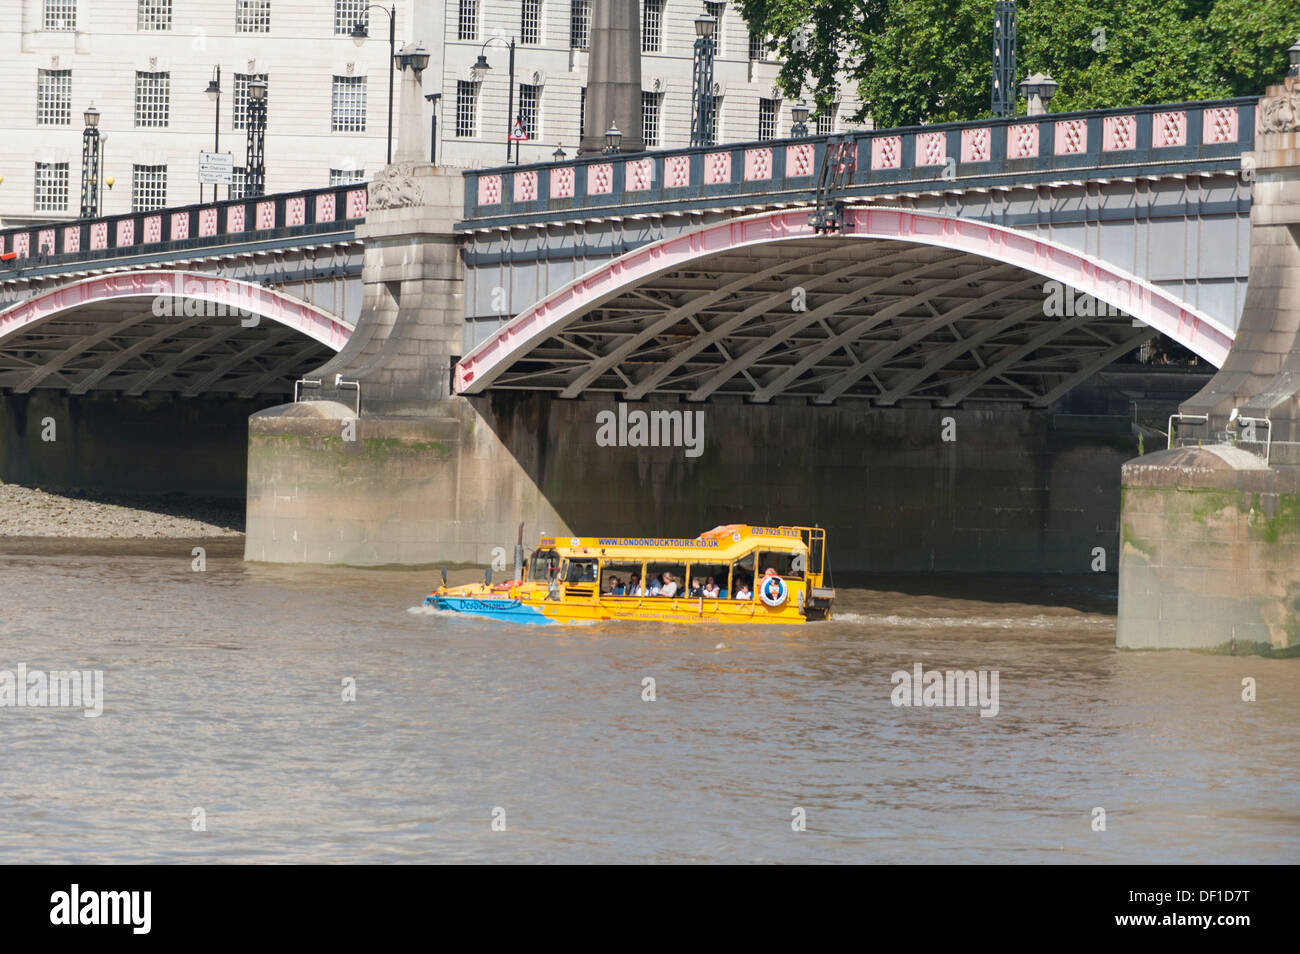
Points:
[(773, 583)]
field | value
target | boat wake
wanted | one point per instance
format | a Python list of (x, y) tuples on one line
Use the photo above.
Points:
[(1038, 621)]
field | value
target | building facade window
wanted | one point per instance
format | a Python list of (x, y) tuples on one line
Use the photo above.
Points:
[(826, 120), (152, 100), (767, 110), (715, 122), (252, 16), (339, 177), (348, 13), (54, 97), (148, 188), (60, 15), (238, 183), (757, 47), (530, 26), (239, 111), (467, 23), (650, 104), (716, 10), (579, 24), (348, 104), (51, 190), (582, 112), (153, 16), (530, 109), (466, 108), (652, 26)]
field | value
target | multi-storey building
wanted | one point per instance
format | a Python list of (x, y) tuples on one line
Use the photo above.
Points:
[(146, 65)]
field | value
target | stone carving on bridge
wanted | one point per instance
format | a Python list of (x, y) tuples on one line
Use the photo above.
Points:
[(395, 187), (1281, 113)]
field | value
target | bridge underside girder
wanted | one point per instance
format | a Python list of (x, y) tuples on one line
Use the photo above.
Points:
[(122, 346), (881, 320)]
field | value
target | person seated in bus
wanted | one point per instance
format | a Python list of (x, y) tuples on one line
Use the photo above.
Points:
[(669, 589), (633, 585), (742, 591), (711, 590), (656, 584), (696, 588), (615, 586)]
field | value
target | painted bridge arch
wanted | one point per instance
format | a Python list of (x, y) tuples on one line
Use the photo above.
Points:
[(898, 304), (185, 331)]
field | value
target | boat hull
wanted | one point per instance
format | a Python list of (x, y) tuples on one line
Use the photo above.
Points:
[(505, 610)]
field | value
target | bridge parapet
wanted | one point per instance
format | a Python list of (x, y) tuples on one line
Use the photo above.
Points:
[(93, 241), (1141, 140)]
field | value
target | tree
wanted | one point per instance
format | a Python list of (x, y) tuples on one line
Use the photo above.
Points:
[(918, 61)]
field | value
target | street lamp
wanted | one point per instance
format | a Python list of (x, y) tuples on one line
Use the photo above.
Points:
[(214, 94), (432, 99), (1039, 90), (481, 68), (359, 35), (255, 163), (1293, 57), (613, 139), (702, 120), (90, 163), (559, 155), (799, 113)]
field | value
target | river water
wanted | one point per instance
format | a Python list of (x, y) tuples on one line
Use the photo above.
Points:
[(223, 691)]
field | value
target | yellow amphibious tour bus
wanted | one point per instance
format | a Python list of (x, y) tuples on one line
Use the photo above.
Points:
[(731, 574)]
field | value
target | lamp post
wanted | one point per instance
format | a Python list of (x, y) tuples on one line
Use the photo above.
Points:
[(433, 99), (613, 139), (559, 155), (214, 94), (799, 113), (1293, 57), (90, 163), (1039, 90), (702, 113), (480, 71), (359, 36), (255, 163)]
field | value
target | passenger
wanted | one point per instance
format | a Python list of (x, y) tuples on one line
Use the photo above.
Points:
[(634, 585), (711, 590), (696, 589), (669, 588), (656, 585), (615, 586), (742, 591)]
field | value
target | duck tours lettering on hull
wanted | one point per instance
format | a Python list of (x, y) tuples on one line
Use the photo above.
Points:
[(735, 573)]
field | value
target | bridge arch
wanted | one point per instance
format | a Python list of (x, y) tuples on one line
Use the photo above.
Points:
[(184, 331), (898, 304)]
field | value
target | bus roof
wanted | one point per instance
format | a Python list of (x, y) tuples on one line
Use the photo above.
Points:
[(725, 542)]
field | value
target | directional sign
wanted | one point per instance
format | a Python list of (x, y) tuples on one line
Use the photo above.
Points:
[(216, 168), (518, 133)]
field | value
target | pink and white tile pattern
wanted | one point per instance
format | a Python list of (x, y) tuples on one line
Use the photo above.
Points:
[(1118, 133), (125, 232), (180, 225), (325, 207), (489, 190), (799, 160), (1071, 136), (153, 229), (1169, 129), (562, 182), (887, 152), (758, 164), (677, 172), (525, 186), (975, 144), (207, 222), (600, 179), (22, 245), (99, 235), (45, 241), (357, 201), (1022, 141), (295, 211), (72, 239), (931, 149), (638, 174), (235, 218), (265, 215), (717, 168), (1220, 125)]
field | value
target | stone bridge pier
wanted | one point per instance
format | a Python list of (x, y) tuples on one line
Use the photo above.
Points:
[(1210, 530)]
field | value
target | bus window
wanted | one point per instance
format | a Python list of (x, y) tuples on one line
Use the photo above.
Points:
[(616, 577), (791, 565), (655, 572), (580, 571), (742, 572), (543, 565), (717, 572)]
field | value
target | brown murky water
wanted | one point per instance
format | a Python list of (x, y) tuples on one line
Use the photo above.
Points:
[(223, 691)]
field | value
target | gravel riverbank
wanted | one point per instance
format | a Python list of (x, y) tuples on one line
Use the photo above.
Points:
[(30, 512)]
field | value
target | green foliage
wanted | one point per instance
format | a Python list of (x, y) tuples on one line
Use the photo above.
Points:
[(918, 61)]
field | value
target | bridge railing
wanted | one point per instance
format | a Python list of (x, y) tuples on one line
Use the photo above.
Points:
[(945, 155), (307, 212)]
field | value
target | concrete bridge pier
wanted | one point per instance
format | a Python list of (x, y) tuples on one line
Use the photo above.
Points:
[(1210, 553)]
